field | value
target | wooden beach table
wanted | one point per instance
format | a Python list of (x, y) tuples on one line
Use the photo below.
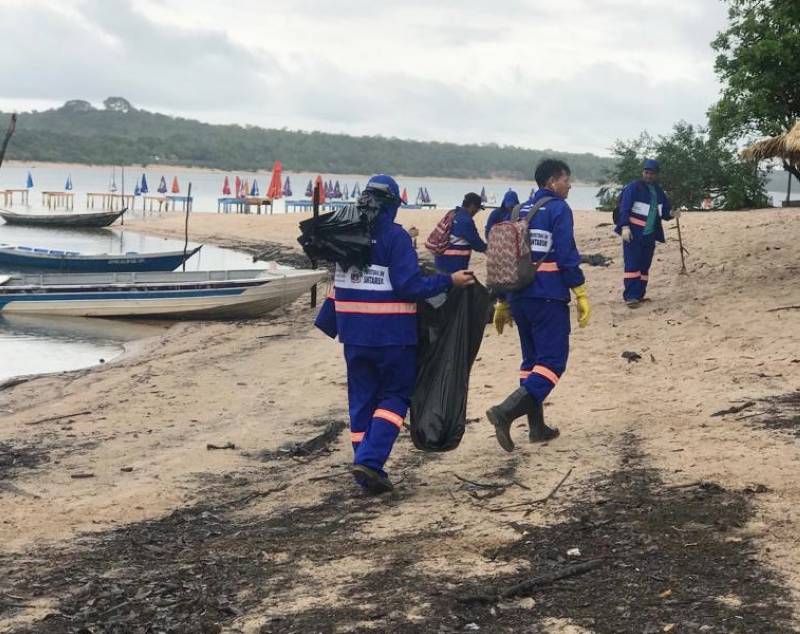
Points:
[(55, 200), (10, 194)]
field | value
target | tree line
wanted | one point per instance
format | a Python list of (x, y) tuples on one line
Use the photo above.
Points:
[(118, 133)]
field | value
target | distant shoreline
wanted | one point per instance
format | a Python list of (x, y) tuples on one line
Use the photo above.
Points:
[(213, 170)]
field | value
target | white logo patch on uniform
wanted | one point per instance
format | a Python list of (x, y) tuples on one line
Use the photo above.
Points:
[(374, 278), (541, 240)]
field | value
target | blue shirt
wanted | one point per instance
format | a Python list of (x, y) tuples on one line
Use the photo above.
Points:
[(377, 307), (552, 238), (634, 208), (464, 239)]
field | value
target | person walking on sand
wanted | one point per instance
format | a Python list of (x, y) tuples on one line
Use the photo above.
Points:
[(373, 312), (643, 204), (541, 309), (464, 238)]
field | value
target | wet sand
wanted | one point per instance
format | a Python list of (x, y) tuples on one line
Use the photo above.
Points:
[(289, 546)]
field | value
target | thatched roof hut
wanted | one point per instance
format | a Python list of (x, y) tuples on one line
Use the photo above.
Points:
[(784, 146)]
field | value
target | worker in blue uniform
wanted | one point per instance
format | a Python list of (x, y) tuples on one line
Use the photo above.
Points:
[(464, 238), (503, 212), (541, 309), (502, 309), (643, 204), (374, 314)]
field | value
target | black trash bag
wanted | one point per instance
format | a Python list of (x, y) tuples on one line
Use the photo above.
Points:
[(343, 237), (450, 338)]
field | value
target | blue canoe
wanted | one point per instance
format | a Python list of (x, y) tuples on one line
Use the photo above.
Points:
[(18, 258)]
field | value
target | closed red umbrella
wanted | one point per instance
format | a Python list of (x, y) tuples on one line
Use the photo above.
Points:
[(237, 185), (175, 188), (321, 188), (275, 189), (226, 187), (404, 197)]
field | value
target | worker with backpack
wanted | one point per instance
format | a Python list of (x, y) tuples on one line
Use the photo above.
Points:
[(455, 237), (533, 258)]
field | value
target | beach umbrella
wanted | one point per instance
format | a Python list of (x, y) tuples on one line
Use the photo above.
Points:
[(427, 196), (143, 187), (287, 187), (137, 191), (68, 184), (226, 187), (175, 188), (404, 197), (162, 186), (346, 192), (483, 195), (29, 182), (337, 190), (321, 186), (275, 191), (310, 189), (245, 188), (356, 190), (237, 185), (254, 189)]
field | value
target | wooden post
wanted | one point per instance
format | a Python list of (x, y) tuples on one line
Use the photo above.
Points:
[(788, 188), (313, 261), (186, 224)]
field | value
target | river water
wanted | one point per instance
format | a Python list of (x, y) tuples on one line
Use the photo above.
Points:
[(31, 345), (34, 345)]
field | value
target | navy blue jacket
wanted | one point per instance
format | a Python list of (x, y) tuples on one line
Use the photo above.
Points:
[(634, 208), (464, 239), (552, 227), (377, 307)]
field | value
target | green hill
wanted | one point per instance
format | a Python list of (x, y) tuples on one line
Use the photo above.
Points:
[(77, 132)]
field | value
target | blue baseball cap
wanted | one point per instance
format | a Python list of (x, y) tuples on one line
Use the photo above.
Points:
[(651, 165), (384, 183)]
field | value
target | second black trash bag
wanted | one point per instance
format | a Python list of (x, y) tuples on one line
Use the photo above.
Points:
[(450, 338)]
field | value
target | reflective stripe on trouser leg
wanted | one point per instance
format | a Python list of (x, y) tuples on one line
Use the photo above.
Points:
[(546, 336), (362, 390), (638, 254), (396, 369)]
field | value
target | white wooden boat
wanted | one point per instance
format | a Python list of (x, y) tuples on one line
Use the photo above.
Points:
[(174, 295), (76, 219)]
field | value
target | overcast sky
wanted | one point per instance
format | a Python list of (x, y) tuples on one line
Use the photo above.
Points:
[(564, 74)]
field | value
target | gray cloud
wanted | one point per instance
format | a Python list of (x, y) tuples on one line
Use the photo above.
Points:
[(573, 77)]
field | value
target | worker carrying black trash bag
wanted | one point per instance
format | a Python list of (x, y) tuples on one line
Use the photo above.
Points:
[(450, 337)]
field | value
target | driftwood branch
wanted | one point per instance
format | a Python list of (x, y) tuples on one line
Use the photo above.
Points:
[(12, 126), (734, 410), (775, 310), (543, 500), (536, 582), (50, 419)]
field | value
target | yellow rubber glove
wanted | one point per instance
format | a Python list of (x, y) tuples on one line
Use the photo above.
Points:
[(502, 316), (582, 299)]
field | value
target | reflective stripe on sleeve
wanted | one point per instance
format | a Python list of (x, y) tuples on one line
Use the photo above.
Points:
[(389, 417), (356, 436), (548, 267), (546, 373), (376, 308), (637, 222)]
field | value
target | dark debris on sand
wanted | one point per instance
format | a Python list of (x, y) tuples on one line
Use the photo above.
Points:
[(15, 457), (671, 556)]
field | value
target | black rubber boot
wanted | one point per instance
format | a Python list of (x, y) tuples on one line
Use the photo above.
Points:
[(518, 403), (371, 480), (537, 430)]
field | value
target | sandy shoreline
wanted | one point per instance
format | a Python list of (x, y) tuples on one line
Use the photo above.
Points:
[(709, 341)]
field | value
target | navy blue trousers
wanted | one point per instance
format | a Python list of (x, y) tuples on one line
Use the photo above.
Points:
[(380, 382), (544, 327), (638, 256)]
